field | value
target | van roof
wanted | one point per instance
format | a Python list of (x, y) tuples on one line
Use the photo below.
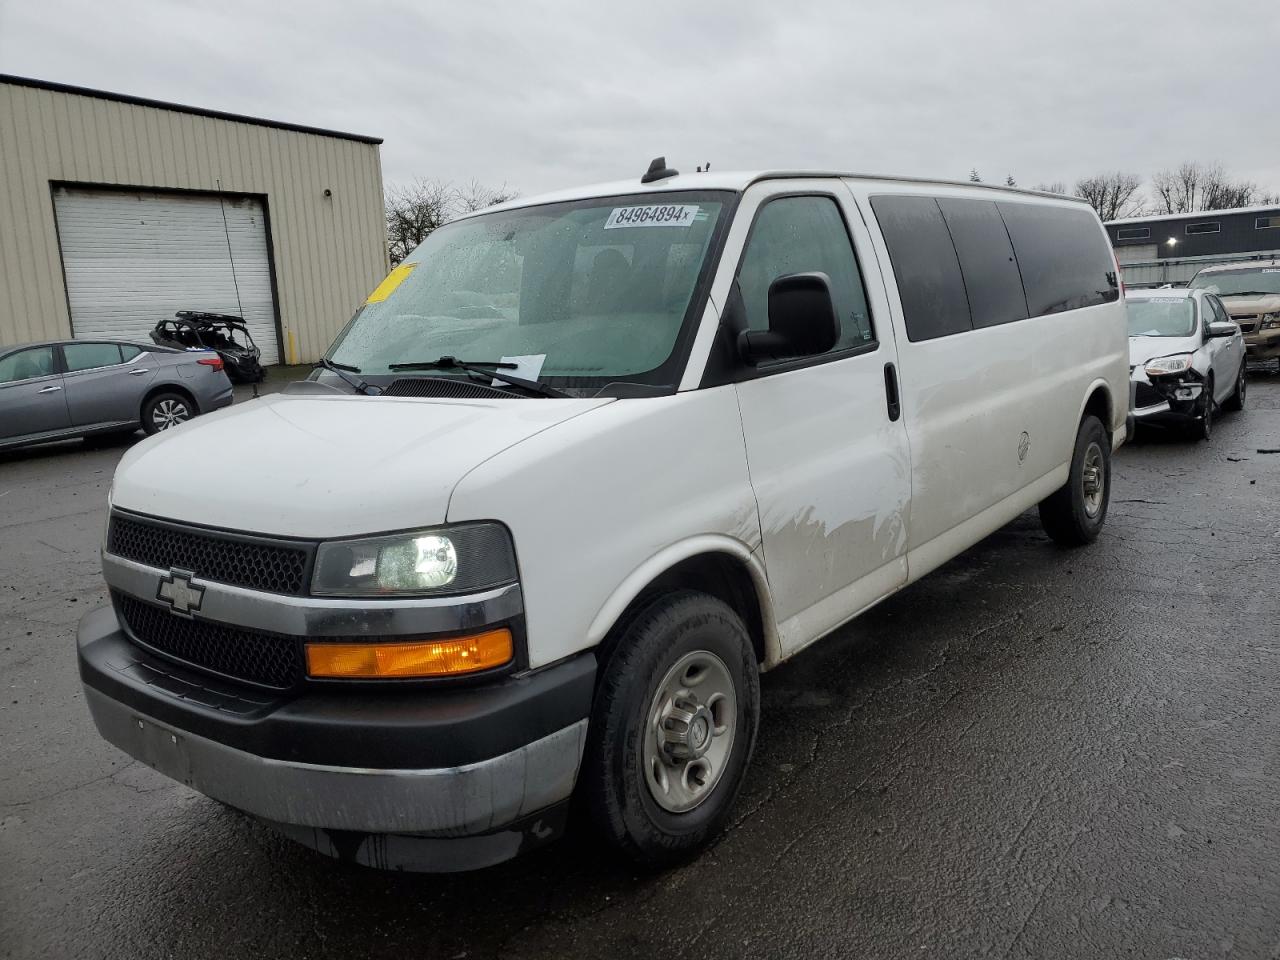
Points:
[(738, 180)]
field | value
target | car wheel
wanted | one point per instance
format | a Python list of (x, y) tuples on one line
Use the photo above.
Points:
[(1236, 400), (672, 728), (1074, 513), (165, 411), (1202, 425)]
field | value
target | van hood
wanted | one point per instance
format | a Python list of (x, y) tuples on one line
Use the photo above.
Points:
[(321, 466), (1142, 349), (1250, 306)]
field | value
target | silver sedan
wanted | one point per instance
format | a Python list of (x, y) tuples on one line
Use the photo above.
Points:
[(1186, 358), (53, 391)]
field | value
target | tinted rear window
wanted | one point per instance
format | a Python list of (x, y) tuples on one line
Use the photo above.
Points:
[(1064, 258), (934, 303), (987, 261)]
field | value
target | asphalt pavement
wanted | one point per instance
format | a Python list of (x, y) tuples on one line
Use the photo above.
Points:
[(1030, 753)]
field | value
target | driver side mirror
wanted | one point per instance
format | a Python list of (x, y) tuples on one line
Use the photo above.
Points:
[(802, 321), (1222, 328)]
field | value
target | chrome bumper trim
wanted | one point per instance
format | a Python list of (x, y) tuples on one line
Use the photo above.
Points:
[(323, 617), (445, 802)]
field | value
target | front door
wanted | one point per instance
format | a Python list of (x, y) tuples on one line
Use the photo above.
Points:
[(32, 400), (828, 459), (1223, 351)]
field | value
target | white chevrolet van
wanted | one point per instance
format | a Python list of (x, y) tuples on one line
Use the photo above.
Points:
[(579, 470)]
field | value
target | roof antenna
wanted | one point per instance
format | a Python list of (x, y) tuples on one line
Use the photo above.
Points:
[(230, 256), (658, 170)]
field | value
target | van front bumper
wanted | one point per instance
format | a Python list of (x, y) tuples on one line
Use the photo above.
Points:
[(487, 768)]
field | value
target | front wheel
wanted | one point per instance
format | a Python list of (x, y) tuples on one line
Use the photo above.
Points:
[(1202, 426), (1236, 400), (1074, 513), (672, 728)]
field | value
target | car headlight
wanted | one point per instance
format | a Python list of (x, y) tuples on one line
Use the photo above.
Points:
[(1162, 366), (466, 558), (1270, 321)]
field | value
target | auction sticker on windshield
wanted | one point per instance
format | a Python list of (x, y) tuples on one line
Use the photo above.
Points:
[(654, 215)]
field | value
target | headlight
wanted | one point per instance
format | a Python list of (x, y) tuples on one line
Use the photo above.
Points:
[(1270, 321), (1162, 366), (466, 558)]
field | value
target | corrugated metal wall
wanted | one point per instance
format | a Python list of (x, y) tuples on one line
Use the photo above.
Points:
[(329, 252)]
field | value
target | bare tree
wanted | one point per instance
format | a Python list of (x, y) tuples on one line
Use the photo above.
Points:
[(1112, 195), (418, 208), (414, 211), (473, 196), (973, 176), (1009, 181), (1198, 186), (1056, 187)]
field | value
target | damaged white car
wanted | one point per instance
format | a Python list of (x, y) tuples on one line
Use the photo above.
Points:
[(1186, 358)]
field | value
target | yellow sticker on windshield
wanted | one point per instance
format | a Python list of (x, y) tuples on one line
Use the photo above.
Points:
[(388, 286)]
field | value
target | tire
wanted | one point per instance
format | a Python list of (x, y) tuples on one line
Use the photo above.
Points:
[(677, 637), (1201, 427), (1073, 514), (166, 410), (1236, 400)]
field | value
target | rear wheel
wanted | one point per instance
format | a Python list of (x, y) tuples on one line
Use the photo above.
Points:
[(672, 728), (1074, 513), (1236, 400), (165, 411)]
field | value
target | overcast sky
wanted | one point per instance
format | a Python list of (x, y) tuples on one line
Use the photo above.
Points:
[(542, 95)]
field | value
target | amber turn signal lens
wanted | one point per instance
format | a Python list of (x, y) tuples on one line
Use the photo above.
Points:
[(423, 658)]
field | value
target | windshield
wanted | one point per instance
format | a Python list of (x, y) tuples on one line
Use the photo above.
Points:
[(1255, 281), (579, 294), (1161, 317)]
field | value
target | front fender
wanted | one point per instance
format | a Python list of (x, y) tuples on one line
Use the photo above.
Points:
[(667, 558)]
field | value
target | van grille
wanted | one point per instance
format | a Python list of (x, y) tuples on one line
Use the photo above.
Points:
[(275, 567), (267, 659)]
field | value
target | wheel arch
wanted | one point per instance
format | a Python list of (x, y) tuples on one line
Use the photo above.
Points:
[(718, 565), (168, 387), (1098, 402)]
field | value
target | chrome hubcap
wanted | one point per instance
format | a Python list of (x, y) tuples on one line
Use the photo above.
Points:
[(1093, 479), (170, 413), (689, 731)]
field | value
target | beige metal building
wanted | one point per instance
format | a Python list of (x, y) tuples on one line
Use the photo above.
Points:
[(115, 212)]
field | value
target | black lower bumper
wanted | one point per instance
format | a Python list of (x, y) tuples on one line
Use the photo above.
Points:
[(443, 727)]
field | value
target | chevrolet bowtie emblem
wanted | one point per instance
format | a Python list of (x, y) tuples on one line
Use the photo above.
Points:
[(180, 593)]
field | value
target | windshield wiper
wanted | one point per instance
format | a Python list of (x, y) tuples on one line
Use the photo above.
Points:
[(342, 369), (486, 368)]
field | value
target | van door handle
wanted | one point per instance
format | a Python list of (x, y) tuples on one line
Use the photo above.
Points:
[(892, 402), (49, 389)]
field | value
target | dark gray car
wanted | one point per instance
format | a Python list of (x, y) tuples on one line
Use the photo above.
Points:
[(57, 390)]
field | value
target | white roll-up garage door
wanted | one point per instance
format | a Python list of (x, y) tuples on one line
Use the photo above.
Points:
[(133, 258)]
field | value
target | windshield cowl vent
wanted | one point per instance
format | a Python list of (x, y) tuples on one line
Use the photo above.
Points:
[(445, 388)]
